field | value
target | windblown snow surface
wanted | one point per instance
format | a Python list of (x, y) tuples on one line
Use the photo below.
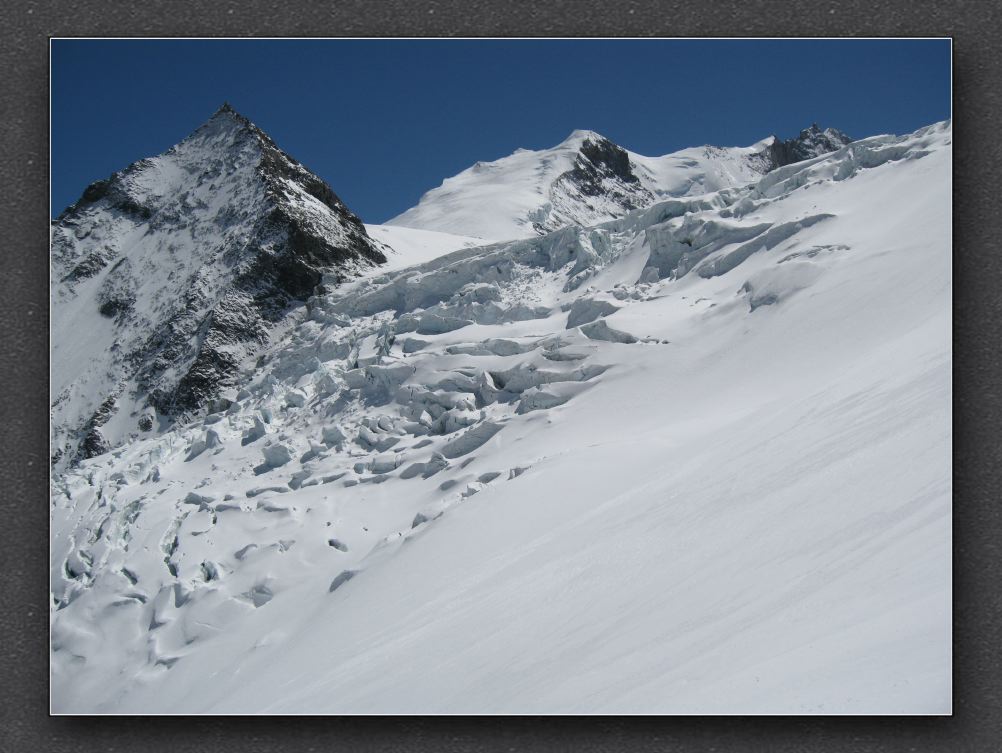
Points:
[(695, 459)]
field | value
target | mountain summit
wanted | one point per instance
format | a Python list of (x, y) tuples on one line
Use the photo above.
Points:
[(167, 275), (812, 142), (587, 179)]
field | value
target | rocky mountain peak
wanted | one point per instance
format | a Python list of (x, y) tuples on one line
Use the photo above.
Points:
[(226, 109), (599, 155), (174, 271), (600, 184), (812, 141), (225, 129)]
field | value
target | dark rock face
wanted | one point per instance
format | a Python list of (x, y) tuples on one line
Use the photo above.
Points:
[(254, 233), (601, 184), (94, 443), (118, 293), (111, 191), (90, 266), (812, 142), (600, 160)]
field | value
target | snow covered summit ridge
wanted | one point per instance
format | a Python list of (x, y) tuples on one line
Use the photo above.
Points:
[(168, 274), (587, 179)]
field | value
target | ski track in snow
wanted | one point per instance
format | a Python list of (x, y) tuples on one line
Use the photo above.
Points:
[(691, 460)]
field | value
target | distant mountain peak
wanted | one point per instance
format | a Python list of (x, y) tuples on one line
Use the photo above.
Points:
[(584, 180), (227, 121), (228, 113), (226, 117), (176, 269), (812, 141), (587, 178)]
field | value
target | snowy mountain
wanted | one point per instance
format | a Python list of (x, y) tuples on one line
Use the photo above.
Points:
[(168, 275), (587, 179), (812, 142), (691, 459)]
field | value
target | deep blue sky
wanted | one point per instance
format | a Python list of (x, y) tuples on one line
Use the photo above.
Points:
[(383, 121)]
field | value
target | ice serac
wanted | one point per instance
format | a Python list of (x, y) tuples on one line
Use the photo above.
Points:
[(167, 275), (588, 179)]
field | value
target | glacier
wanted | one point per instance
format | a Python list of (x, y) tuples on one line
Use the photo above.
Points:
[(686, 453)]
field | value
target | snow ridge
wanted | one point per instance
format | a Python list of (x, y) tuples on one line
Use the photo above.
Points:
[(588, 179)]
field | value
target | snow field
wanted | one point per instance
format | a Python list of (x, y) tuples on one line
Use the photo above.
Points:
[(691, 460)]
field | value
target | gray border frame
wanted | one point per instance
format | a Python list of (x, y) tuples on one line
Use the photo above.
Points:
[(975, 725)]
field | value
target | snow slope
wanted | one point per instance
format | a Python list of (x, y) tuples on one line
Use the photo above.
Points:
[(695, 459), (587, 179), (405, 246)]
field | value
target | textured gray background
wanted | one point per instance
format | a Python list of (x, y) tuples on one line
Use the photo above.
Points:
[(26, 27)]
